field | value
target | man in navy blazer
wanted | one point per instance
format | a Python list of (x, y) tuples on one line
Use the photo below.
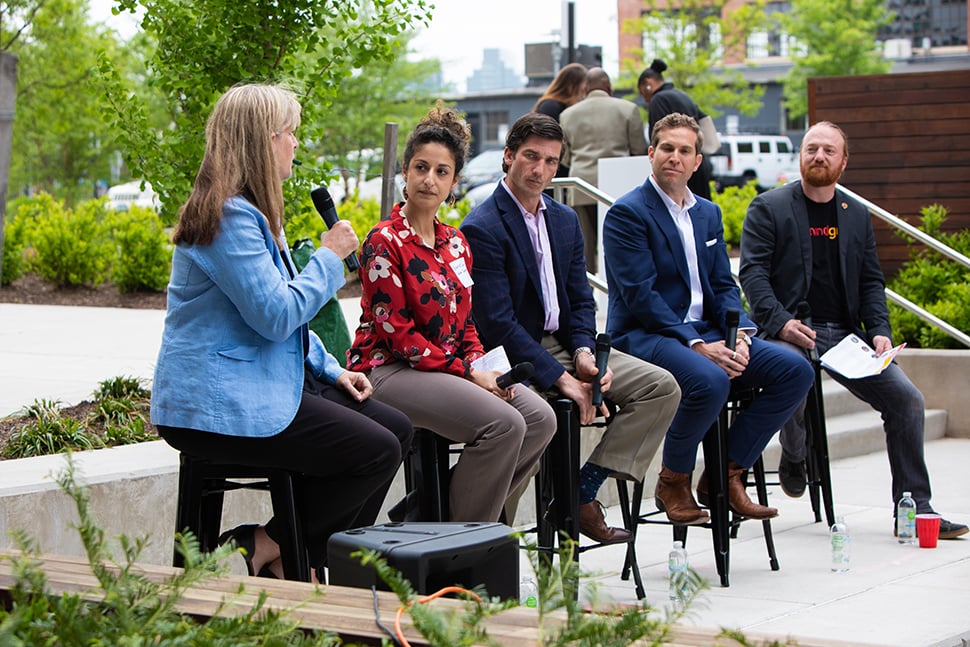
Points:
[(670, 291), (808, 241), (532, 297)]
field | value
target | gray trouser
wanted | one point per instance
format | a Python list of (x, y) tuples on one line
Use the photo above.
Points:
[(646, 397), (503, 440), (898, 401)]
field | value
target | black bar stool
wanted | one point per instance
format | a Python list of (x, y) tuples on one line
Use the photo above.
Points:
[(557, 512), (202, 485), (724, 524)]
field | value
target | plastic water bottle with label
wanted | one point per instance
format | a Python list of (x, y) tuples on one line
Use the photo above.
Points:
[(841, 545), (529, 592), (906, 519), (677, 570)]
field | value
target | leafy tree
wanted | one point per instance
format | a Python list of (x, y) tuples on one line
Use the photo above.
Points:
[(391, 90), (61, 144), (693, 39), (203, 47), (832, 38)]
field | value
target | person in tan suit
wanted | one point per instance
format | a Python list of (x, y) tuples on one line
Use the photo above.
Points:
[(597, 127)]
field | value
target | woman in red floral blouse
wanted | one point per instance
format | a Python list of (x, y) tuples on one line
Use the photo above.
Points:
[(417, 340)]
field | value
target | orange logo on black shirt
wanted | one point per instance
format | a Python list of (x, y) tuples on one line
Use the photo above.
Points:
[(825, 232)]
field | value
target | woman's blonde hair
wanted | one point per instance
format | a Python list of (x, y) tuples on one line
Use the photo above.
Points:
[(239, 160)]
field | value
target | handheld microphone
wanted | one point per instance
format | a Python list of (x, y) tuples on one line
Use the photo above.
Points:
[(731, 319), (804, 314), (520, 372), (323, 203), (603, 342)]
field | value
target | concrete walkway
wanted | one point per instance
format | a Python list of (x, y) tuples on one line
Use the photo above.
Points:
[(893, 594)]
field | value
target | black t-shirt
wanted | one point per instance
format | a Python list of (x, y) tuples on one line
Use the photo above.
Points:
[(826, 294)]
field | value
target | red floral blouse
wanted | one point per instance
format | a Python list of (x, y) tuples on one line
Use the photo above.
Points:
[(416, 301)]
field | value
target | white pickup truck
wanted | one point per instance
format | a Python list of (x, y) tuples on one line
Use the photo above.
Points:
[(767, 160)]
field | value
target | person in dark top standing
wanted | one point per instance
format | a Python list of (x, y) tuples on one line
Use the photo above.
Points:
[(809, 241), (663, 99)]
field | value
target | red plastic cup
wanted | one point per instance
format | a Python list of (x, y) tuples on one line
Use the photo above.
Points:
[(928, 529)]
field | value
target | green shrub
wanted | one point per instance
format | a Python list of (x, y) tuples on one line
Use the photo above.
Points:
[(144, 252), (363, 214), (122, 386), (133, 610), (45, 436), (934, 282), (70, 246), (734, 201), (14, 245)]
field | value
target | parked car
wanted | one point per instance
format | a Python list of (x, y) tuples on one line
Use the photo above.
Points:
[(483, 168), (130, 194), (768, 160)]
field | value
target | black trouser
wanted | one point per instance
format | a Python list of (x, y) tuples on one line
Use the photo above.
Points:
[(346, 453)]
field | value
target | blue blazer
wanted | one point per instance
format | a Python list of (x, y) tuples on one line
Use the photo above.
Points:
[(231, 360), (507, 297), (646, 268)]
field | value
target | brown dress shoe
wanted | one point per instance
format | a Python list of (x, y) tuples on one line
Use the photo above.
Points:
[(738, 497), (592, 523), (673, 497)]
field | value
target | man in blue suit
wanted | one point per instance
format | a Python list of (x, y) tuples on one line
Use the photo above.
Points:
[(670, 291), (532, 296)]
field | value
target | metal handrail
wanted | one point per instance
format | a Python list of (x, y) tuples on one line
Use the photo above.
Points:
[(908, 229), (561, 183)]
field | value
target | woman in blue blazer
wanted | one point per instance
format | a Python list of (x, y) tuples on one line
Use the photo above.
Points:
[(240, 377)]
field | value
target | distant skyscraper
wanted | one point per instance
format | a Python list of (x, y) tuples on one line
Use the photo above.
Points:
[(494, 74)]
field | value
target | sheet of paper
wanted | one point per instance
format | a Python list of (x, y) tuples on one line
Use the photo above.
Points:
[(853, 358), (493, 360)]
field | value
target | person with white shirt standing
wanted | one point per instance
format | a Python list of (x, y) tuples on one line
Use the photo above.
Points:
[(670, 291)]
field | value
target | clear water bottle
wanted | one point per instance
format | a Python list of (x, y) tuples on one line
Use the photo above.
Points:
[(906, 519), (841, 545), (528, 592), (677, 570)]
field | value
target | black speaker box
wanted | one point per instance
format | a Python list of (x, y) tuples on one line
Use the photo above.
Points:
[(431, 556)]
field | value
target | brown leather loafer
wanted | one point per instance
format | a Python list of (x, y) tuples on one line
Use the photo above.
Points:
[(592, 523)]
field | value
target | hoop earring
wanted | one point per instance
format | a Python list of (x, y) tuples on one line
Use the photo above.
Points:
[(452, 199), (404, 192)]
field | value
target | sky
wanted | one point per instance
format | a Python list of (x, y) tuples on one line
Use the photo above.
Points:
[(461, 29)]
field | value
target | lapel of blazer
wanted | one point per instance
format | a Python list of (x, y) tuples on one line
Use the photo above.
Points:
[(515, 225), (800, 214), (657, 210), (845, 222)]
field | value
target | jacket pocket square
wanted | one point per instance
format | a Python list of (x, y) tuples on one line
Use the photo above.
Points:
[(711, 242)]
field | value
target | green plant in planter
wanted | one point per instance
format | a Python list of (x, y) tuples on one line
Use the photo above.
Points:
[(134, 610), (49, 432)]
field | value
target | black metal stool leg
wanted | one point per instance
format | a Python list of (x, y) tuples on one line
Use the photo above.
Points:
[(819, 471), (631, 514), (762, 489), (715, 462)]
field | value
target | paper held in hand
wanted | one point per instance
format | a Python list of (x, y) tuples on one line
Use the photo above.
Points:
[(493, 360), (853, 358)]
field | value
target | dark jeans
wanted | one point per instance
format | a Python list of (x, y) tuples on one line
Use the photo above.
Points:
[(901, 405), (346, 453)]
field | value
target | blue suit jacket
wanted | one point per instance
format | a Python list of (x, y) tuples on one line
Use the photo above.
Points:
[(507, 297), (646, 267), (231, 359)]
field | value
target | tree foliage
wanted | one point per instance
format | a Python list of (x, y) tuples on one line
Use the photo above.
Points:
[(391, 90), (832, 38), (693, 39), (203, 47), (61, 143)]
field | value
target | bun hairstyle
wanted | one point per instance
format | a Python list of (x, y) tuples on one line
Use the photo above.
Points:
[(445, 126), (655, 71)]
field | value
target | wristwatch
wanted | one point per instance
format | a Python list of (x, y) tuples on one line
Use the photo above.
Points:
[(583, 349), (743, 336)]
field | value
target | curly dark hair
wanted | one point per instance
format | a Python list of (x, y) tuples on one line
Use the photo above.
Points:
[(445, 126)]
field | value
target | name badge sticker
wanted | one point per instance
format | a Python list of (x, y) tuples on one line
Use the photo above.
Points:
[(461, 271)]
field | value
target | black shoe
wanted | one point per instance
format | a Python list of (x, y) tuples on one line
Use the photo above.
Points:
[(950, 530), (243, 537), (791, 477)]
